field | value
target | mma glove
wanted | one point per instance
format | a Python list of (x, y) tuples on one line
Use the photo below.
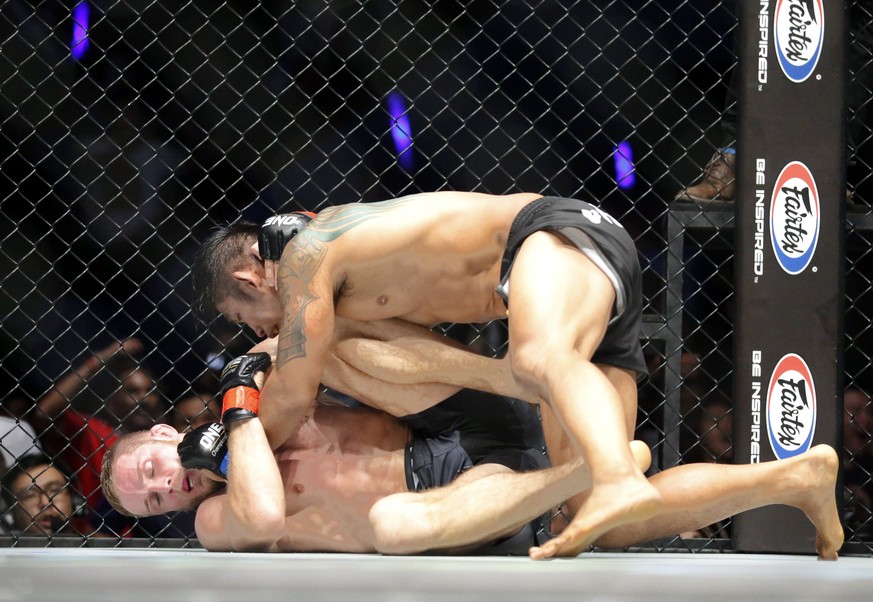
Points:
[(205, 448), (278, 231), (240, 394)]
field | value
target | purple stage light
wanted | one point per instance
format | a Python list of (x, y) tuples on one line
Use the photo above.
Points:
[(80, 43), (401, 131), (623, 156)]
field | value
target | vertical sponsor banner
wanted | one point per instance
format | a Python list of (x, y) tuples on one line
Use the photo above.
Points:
[(790, 237)]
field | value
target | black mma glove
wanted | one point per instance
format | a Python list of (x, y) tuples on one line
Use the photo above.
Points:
[(206, 448), (278, 231), (240, 394)]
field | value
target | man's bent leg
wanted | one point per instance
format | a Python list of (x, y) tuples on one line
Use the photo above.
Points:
[(696, 495), (490, 502), (483, 504), (559, 308)]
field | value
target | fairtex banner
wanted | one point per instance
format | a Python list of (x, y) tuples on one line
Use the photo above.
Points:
[(790, 239)]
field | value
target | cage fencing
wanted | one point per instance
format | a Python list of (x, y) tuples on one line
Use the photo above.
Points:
[(129, 129)]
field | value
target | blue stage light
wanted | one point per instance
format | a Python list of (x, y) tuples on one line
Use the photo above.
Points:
[(623, 155), (401, 131), (79, 44)]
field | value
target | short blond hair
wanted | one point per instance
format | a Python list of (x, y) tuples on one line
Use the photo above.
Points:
[(123, 445)]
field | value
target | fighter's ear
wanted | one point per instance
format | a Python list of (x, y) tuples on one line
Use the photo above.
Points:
[(248, 277), (163, 431)]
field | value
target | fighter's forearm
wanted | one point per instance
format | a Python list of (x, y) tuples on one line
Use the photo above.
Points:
[(302, 346), (395, 398), (403, 368), (255, 492), (412, 354)]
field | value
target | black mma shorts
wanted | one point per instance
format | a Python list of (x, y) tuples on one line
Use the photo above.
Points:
[(472, 428), (468, 429), (603, 240)]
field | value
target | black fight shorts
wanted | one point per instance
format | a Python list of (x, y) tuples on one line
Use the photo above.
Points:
[(605, 241), (468, 429), (472, 428)]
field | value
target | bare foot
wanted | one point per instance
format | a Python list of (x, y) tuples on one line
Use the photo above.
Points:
[(608, 506), (642, 458), (816, 476)]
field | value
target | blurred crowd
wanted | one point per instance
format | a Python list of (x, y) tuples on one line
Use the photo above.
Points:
[(52, 447)]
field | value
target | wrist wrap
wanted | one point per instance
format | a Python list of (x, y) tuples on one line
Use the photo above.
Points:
[(239, 403)]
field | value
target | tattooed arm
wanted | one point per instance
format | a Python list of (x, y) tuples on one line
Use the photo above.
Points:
[(306, 294)]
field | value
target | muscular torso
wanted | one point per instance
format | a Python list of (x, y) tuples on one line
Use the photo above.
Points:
[(339, 463), (428, 258)]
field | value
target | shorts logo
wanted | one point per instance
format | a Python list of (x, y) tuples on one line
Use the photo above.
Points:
[(596, 215), (791, 407), (798, 33), (795, 218)]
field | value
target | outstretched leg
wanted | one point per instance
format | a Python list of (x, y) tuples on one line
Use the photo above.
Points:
[(485, 503), (696, 495)]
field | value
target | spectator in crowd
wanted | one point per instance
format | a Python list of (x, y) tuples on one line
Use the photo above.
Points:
[(126, 399), (857, 425), (195, 410), (17, 436), (40, 501), (858, 458), (81, 439), (130, 397), (714, 430)]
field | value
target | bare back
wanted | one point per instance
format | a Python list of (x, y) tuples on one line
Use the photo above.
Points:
[(426, 258)]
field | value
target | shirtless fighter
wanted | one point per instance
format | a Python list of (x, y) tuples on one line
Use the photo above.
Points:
[(237, 285), (322, 483), (568, 272), (339, 482)]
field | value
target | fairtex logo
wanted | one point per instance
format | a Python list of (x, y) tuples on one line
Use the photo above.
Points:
[(791, 407), (798, 33), (795, 218)]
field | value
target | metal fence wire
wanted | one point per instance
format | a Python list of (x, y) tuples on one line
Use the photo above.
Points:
[(130, 128)]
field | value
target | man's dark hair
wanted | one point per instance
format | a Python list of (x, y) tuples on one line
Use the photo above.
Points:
[(221, 253)]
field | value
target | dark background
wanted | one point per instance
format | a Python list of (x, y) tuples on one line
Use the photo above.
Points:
[(115, 166)]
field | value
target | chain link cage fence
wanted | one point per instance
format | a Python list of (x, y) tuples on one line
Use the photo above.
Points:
[(129, 129)]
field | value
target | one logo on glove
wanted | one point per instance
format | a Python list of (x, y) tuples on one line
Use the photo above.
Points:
[(210, 436)]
